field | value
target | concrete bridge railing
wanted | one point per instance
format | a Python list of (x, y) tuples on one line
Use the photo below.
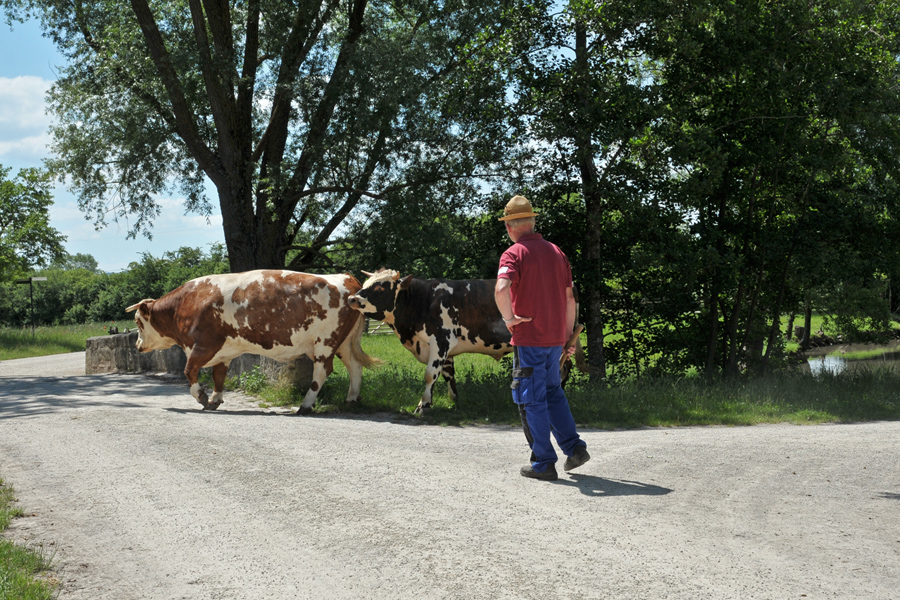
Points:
[(117, 354)]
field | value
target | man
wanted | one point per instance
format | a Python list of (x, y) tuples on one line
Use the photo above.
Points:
[(535, 298)]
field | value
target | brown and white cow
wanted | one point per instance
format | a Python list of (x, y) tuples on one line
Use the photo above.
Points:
[(437, 319), (275, 313)]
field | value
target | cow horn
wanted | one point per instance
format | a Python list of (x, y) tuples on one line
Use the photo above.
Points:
[(366, 273), (134, 307)]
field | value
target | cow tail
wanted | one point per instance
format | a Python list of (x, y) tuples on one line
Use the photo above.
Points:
[(356, 348)]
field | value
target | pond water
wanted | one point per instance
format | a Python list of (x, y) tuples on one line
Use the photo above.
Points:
[(838, 358)]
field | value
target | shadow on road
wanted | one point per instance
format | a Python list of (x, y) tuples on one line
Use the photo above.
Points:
[(590, 485), (225, 411), (28, 396)]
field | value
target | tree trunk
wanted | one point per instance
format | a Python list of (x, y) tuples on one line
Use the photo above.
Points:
[(731, 365), (247, 248), (807, 325), (593, 209), (712, 336)]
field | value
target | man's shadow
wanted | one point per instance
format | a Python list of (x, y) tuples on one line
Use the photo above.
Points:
[(590, 485)]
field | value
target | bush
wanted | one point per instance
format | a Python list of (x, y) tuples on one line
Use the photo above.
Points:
[(74, 315)]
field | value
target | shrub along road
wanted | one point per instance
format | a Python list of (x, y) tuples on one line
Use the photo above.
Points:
[(143, 496)]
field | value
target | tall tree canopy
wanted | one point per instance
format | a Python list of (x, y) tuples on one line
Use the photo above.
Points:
[(27, 240), (783, 123), (718, 148), (297, 112)]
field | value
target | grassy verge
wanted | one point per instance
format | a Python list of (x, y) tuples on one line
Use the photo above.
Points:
[(19, 343), (20, 568), (861, 394), (858, 394)]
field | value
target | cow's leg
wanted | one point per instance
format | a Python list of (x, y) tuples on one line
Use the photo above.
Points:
[(449, 373), (322, 368), (218, 374), (432, 372), (197, 357), (354, 371)]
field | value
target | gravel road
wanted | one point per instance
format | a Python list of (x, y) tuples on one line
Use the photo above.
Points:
[(143, 496)]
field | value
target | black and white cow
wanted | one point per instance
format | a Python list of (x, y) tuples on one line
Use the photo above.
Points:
[(436, 319)]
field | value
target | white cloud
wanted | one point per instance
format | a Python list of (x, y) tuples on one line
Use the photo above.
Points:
[(24, 136), (110, 245), (30, 147), (23, 122)]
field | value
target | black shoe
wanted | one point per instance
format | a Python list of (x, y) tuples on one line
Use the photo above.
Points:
[(579, 457), (548, 475)]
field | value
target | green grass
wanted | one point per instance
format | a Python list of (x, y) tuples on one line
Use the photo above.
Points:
[(786, 396), (863, 393), (791, 396), (864, 354), (19, 342), (21, 569)]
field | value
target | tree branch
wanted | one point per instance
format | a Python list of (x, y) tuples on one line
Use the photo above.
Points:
[(184, 119)]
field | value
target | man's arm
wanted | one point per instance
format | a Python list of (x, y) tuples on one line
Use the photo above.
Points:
[(571, 308), (503, 298)]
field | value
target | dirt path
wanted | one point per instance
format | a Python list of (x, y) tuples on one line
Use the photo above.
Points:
[(141, 495)]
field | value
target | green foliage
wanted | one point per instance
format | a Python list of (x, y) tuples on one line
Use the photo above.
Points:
[(74, 294), (299, 113), (787, 192), (730, 167), (253, 381), (26, 238)]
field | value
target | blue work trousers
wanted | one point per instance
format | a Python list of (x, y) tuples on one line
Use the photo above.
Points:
[(543, 404)]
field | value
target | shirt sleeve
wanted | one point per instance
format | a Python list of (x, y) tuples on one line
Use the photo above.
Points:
[(508, 268)]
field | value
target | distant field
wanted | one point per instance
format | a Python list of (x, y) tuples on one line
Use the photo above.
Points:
[(19, 342)]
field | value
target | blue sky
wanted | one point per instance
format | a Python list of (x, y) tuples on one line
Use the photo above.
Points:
[(27, 69)]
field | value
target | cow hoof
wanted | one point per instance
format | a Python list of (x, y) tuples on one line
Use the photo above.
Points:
[(212, 405), (421, 410), (304, 410)]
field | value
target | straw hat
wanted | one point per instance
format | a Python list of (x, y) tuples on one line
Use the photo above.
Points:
[(517, 208)]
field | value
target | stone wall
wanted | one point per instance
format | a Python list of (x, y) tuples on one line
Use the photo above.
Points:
[(117, 354)]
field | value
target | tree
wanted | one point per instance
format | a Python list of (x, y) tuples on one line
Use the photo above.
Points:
[(26, 238), (579, 91), (71, 262), (783, 122), (298, 113), (716, 147)]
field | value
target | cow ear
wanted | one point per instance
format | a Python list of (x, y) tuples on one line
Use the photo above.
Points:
[(404, 283)]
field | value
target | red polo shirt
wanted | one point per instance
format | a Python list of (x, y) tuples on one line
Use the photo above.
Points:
[(539, 273)]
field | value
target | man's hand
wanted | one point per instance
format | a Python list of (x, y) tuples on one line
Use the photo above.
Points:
[(516, 320), (570, 348)]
